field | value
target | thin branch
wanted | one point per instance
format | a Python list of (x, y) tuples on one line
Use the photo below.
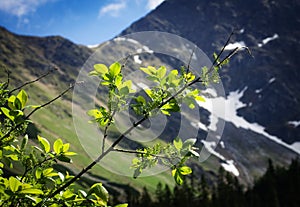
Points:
[(190, 60), (35, 110), (223, 48), (37, 79), (36, 165), (51, 101), (140, 153), (106, 130), (123, 135), (111, 148), (8, 76), (113, 113)]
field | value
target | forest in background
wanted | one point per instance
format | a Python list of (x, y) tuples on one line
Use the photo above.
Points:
[(278, 187)]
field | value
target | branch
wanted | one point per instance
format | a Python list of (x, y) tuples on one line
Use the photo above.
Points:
[(114, 111), (35, 110), (8, 76), (36, 165), (190, 60), (140, 153), (135, 124), (33, 81)]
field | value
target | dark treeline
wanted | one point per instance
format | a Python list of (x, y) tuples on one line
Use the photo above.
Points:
[(278, 187)]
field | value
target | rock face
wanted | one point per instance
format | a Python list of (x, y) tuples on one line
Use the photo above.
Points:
[(270, 102)]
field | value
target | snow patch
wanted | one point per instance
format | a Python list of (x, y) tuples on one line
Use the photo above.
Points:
[(199, 125), (268, 39), (241, 31), (271, 80), (232, 46), (296, 145), (117, 39), (137, 59), (93, 46), (294, 123), (231, 104), (147, 49), (230, 167), (222, 145), (258, 90)]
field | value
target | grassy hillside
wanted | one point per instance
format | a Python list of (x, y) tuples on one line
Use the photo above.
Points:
[(30, 57)]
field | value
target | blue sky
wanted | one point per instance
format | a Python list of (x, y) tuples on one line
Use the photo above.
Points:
[(85, 22)]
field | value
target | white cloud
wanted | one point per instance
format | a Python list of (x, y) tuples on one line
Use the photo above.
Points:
[(112, 9), (20, 8), (152, 4)]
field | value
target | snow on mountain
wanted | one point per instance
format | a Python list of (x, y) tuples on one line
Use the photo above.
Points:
[(267, 40), (232, 46), (231, 104)]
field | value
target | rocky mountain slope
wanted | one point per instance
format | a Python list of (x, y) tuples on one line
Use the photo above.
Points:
[(262, 92)]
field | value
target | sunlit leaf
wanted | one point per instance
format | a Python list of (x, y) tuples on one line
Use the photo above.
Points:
[(185, 170), (177, 143), (115, 69), (31, 191), (14, 184), (57, 146), (161, 72), (44, 144), (100, 68), (23, 97)]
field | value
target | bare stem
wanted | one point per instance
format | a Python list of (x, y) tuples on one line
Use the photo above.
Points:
[(33, 81), (35, 110)]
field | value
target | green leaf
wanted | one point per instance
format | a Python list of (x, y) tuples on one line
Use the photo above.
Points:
[(199, 98), (18, 104), (58, 146), (177, 143), (66, 147), (63, 158), (171, 106), (115, 69), (22, 96), (177, 176), (95, 113), (140, 99), (99, 190), (185, 170), (32, 191), (70, 153), (7, 113), (38, 173), (161, 72), (24, 142), (44, 144), (189, 143), (11, 101), (124, 91), (150, 70), (122, 205), (13, 157), (100, 68), (14, 184)]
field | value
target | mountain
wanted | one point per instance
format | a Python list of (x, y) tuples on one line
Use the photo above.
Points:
[(262, 98), (29, 57), (265, 119)]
